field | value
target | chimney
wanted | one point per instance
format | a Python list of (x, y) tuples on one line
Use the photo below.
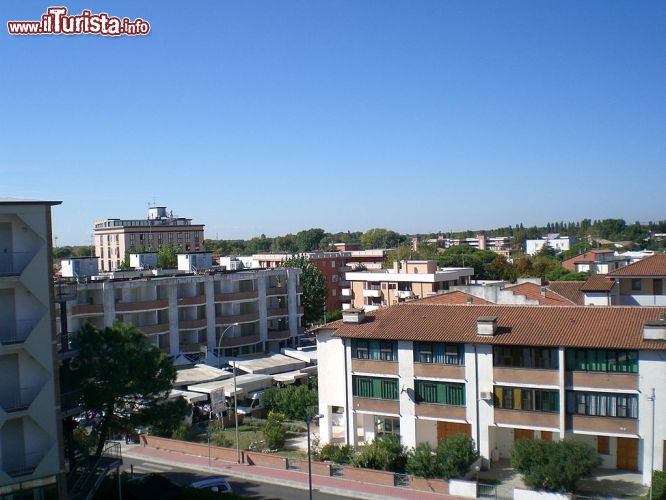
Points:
[(486, 325), (469, 300), (353, 316), (543, 291), (655, 330)]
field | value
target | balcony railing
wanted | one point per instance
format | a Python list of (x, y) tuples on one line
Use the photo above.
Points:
[(278, 311), (197, 300), (87, 309), (15, 265), (20, 399), (64, 290), (277, 290), (192, 324), (154, 329), (238, 341), (141, 305), (278, 334), (22, 465), (236, 296), (17, 331), (230, 319)]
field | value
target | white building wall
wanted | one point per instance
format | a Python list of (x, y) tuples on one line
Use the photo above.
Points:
[(406, 388), (652, 374), (330, 365), (597, 298)]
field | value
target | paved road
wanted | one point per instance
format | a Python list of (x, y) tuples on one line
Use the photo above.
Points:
[(243, 487)]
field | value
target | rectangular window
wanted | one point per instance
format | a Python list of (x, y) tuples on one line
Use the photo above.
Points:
[(387, 425), (526, 399), (599, 360), (440, 392), (438, 352), (375, 387), (636, 285), (602, 404), (526, 357), (375, 349), (603, 445)]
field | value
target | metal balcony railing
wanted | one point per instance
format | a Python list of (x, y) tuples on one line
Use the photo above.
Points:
[(20, 399), (64, 290), (15, 264)]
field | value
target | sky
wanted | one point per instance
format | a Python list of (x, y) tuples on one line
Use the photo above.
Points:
[(275, 116)]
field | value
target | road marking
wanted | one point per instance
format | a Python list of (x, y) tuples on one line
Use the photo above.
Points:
[(152, 467)]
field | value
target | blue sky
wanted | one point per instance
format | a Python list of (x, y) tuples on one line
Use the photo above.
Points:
[(271, 117)]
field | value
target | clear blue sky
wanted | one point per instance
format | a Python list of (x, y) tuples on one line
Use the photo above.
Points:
[(271, 117)]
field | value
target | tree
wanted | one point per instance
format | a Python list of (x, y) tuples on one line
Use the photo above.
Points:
[(124, 378), (384, 453), (295, 401), (166, 257), (275, 432), (553, 465), (421, 462), (455, 455), (380, 238), (314, 286)]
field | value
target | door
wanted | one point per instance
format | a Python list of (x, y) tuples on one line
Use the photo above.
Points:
[(546, 436), (522, 434), (627, 454), (6, 248), (447, 429)]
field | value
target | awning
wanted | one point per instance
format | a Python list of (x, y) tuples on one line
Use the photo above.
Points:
[(245, 384), (199, 374), (289, 377), (191, 397), (273, 363)]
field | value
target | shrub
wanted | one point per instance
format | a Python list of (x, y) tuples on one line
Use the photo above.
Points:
[(338, 453), (659, 485), (85, 439), (421, 461), (384, 453), (275, 431), (554, 466), (184, 432), (454, 456), (219, 438)]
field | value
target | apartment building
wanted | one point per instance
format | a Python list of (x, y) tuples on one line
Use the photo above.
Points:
[(186, 314), (499, 373), (333, 265), (595, 262), (31, 456), (408, 279), (498, 244), (555, 241), (641, 283), (116, 237)]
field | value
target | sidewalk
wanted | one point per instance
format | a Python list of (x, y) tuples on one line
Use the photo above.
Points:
[(294, 479)]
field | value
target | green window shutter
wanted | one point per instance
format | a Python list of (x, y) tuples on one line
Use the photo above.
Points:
[(633, 361), (376, 388), (441, 393)]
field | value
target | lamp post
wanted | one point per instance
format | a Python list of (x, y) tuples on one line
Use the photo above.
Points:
[(309, 419), (219, 343)]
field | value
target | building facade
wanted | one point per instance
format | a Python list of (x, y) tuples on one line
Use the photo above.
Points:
[(555, 241), (115, 238), (595, 262), (255, 311), (31, 451), (499, 374), (411, 279)]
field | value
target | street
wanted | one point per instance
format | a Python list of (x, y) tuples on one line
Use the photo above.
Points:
[(243, 487)]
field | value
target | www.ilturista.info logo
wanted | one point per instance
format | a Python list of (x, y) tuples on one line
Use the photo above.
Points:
[(56, 22)]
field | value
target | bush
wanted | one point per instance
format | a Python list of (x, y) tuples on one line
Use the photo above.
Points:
[(338, 453), (85, 439), (219, 438), (384, 453), (184, 432), (659, 485), (554, 465), (455, 455), (421, 461), (275, 431)]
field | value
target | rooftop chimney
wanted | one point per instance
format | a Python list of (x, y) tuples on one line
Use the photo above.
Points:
[(469, 300), (353, 316), (655, 330), (486, 325)]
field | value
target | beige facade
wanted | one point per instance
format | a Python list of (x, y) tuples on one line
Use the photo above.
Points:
[(31, 449)]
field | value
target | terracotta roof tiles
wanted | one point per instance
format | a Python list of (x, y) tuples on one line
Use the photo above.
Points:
[(534, 292), (597, 283), (453, 297), (654, 265), (569, 290)]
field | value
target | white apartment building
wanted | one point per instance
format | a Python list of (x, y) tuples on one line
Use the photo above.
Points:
[(31, 451), (256, 311), (499, 373), (555, 241)]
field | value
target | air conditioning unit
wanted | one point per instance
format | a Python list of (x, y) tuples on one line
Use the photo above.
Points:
[(486, 395)]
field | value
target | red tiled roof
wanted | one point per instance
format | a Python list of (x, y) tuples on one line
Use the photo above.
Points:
[(614, 327), (569, 290), (655, 265), (453, 297), (533, 292), (597, 283)]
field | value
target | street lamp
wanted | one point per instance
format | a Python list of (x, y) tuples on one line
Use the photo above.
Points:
[(308, 419), (219, 343)]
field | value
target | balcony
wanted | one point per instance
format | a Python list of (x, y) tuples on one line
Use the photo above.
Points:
[(20, 399), (277, 290), (372, 293), (154, 329), (15, 332), (141, 306), (87, 309), (510, 418), (437, 370), (15, 266), (236, 296), (603, 380), (374, 366), (404, 294), (535, 376), (592, 424), (64, 290), (377, 405), (238, 341), (192, 324), (237, 318), (278, 311), (190, 348), (197, 300), (22, 465), (278, 334), (442, 411)]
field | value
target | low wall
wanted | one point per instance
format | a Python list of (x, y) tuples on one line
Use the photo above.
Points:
[(369, 476), (432, 485), (520, 494), (266, 460), (471, 473), (318, 468), (200, 449), (460, 488)]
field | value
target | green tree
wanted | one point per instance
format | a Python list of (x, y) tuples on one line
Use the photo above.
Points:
[(294, 401), (380, 238), (421, 461), (384, 453), (166, 257), (553, 465), (124, 378), (455, 455), (314, 286), (275, 431)]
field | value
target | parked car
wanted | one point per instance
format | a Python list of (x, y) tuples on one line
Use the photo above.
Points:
[(216, 484)]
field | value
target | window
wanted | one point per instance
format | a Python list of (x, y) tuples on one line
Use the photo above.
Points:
[(360, 349), (526, 399), (375, 349), (599, 360), (386, 351), (375, 387), (603, 445), (602, 404), (438, 352), (387, 425), (636, 284), (525, 357), (440, 392)]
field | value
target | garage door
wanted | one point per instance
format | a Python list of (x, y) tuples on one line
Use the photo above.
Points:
[(446, 429)]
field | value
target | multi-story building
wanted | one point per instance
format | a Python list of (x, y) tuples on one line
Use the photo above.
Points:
[(410, 279), (498, 374), (115, 238), (333, 265), (497, 244), (255, 311), (555, 241), (31, 450), (595, 262), (641, 283)]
